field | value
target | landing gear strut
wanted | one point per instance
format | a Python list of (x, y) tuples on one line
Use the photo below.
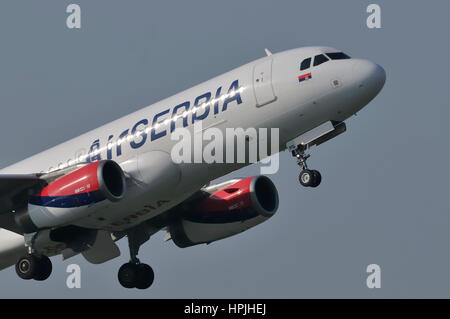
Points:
[(33, 265), (307, 177), (135, 274)]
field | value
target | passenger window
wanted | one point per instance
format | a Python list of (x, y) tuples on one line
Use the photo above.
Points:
[(306, 63), (319, 59), (338, 56)]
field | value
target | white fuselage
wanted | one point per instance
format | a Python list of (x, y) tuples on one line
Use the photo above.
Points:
[(263, 93)]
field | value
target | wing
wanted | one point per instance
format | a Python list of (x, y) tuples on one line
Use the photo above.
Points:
[(14, 191), (16, 188)]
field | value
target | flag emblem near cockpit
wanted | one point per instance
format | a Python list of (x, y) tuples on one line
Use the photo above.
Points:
[(304, 77)]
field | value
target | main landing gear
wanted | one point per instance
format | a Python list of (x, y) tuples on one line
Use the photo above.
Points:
[(134, 274), (307, 177), (33, 265)]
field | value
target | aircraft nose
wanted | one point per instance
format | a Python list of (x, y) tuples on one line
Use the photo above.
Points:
[(369, 77)]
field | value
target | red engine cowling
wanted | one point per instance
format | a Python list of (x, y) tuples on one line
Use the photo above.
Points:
[(231, 208), (71, 196)]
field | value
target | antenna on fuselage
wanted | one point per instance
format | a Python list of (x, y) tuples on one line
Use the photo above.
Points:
[(267, 52)]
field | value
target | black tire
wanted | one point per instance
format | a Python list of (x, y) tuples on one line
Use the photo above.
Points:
[(26, 266), (317, 178), (128, 275), (44, 268), (306, 178), (145, 276)]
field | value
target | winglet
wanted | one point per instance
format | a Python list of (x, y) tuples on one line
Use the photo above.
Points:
[(268, 52)]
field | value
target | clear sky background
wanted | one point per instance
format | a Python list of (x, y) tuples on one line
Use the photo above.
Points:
[(384, 195)]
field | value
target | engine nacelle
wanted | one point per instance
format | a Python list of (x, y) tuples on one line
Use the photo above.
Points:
[(229, 210), (73, 196)]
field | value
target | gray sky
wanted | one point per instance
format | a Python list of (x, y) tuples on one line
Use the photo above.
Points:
[(384, 193)]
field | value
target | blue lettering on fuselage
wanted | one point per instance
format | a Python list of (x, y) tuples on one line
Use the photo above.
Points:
[(184, 105), (204, 105), (143, 135), (200, 100)]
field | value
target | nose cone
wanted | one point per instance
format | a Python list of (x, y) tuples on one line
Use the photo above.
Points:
[(369, 77)]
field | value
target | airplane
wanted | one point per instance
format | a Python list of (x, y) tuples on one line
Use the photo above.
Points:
[(119, 180)]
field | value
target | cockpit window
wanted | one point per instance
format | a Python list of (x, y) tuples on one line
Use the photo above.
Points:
[(338, 56), (306, 63), (319, 59)]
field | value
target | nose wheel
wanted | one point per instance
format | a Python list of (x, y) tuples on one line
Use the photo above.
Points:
[(307, 177), (310, 178)]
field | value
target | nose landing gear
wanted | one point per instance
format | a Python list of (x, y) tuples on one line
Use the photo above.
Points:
[(307, 177), (316, 136)]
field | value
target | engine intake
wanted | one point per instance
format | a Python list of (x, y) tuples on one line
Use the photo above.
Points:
[(73, 196), (265, 195), (230, 208), (111, 180)]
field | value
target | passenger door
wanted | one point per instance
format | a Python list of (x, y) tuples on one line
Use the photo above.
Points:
[(262, 83)]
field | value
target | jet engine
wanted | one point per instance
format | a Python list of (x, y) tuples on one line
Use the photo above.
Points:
[(227, 209), (73, 196)]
